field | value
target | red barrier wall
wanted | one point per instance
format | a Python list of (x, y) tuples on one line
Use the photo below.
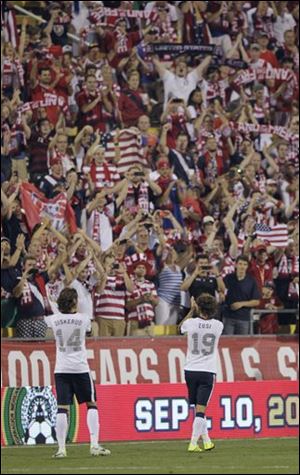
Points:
[(153, 360), (152, 412)]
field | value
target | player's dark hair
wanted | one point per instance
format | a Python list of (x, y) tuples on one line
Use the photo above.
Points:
[(207, 305), (67, 300)]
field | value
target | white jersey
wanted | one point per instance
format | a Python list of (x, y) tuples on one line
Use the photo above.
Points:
[(203, 338), (69, 331)]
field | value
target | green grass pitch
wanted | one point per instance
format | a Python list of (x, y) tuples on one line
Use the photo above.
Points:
[(230, 456)]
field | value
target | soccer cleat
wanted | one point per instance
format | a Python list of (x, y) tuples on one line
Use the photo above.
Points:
[(60, 454), (194, 448), (98, 450), (208, 445)]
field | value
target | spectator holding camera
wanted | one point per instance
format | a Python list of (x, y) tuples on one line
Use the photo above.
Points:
[(242, 295), (202, 280), (137, 189), (109, 298), (32, 302), (141, 302)]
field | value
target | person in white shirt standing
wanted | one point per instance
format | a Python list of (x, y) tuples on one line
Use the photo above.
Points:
[(72, 372), (203, 332)]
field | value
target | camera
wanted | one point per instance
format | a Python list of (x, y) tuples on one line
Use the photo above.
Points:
[(139, 174), (115, 266), (148, 225), (206, 267)]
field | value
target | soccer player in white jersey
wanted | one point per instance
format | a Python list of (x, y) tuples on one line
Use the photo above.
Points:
[(203, 332), (72, 372)]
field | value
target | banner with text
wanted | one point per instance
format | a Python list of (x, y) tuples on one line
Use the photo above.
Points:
[(249, 409), (152, 360)]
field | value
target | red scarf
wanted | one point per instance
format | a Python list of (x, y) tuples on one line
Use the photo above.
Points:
[(288, 266), (95, 168)]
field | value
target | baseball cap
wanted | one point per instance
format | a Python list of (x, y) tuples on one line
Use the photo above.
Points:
[(262, 34), (255, 46), (260, 247), (4, 238), (208, 219), (56, 50)]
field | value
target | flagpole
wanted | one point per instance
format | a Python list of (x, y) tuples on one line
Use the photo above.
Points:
[(41, 20)]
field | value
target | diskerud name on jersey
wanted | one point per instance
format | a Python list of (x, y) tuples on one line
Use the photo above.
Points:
[(203, 338), (69, 331)]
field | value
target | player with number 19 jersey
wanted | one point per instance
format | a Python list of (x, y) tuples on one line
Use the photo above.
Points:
[(70, 332), (203, 337)]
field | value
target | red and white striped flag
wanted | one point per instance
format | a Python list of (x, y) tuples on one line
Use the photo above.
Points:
[(131, 150), (9, 24), (276, 236)]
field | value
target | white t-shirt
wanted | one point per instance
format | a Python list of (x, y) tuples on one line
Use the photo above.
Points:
[(178, 87), (85, 301), (203, 338), (150, 6), (282, 24), (69, 331)]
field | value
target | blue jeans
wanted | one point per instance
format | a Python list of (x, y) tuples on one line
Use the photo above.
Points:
[(233, 326)]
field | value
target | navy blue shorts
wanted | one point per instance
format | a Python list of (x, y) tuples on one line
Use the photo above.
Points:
[(79, 384), (200, 385)]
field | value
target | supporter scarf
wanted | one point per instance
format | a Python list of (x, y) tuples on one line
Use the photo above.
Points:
[(96, 226), (39, 292), (42, 289), (288, 266), (50, 100), (138, 195), (169, 48), (261, 74), (95, 168), (8, 69), (248, 128), (96, 16)]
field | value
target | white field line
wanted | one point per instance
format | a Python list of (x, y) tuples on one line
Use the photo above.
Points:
[(149, 467), (139, 442)]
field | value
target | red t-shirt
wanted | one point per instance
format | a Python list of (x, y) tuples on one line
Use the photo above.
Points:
[(270, 57), (95, 116), (131, 107), (39, 93), (261, 274)]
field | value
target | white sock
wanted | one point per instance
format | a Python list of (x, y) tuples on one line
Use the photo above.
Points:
[(203, 430), (61, 429), (196, 430), (93, 425)]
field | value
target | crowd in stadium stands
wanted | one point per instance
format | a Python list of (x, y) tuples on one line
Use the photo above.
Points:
[(142, 173)]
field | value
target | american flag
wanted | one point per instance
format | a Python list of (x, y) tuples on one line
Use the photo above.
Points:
[(9, 24), (276, 236), (131, 151)]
